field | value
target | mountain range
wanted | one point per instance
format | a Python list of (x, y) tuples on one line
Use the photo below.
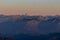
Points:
[(31, 25)]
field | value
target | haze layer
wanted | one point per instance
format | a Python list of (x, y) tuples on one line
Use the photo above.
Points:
[(31, 7)]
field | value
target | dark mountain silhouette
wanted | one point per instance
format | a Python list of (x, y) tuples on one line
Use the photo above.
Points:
[(32, 25), (51, 36)]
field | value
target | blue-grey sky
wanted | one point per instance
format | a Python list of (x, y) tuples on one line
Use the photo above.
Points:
[(30, 6)]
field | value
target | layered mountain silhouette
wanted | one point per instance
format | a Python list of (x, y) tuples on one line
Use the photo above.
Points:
[(31, 25)]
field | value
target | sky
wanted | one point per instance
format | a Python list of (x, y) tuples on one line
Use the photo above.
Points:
[(31, 7)]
